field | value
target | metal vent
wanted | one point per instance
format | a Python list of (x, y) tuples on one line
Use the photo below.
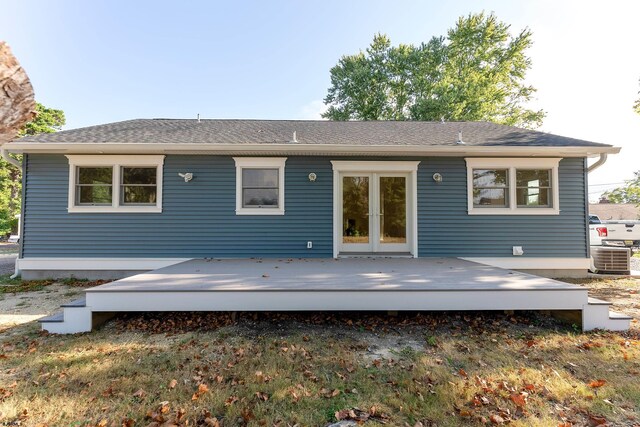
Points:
[(609, 259)]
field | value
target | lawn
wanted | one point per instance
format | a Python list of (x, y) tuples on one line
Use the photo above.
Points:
[(444, 369)]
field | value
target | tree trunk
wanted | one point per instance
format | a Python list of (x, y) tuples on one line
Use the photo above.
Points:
[(17, 102)]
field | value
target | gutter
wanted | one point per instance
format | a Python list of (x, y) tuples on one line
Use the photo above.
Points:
[(8, 158), (17, 164), (308, 149), (598, 163)]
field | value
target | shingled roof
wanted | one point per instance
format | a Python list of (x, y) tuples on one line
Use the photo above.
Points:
[(308, 132)]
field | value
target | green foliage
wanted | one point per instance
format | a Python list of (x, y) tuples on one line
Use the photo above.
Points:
[(47, 120), (475, 73), (630, 193)]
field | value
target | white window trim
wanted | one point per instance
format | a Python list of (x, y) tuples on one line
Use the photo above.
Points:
[(511, 164), (259, 163), (116, 162)]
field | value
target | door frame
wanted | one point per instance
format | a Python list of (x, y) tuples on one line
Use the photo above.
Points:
[(350, 166)]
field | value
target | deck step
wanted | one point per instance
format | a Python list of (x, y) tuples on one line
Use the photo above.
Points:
[(618, 316), (80, 302), (54, 318), (595, 301)]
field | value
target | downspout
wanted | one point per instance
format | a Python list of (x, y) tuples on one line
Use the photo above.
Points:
[(598, 163), (17, 164)]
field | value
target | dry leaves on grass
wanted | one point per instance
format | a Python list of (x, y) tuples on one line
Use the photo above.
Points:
[(163, 416), (202, 389), (360, 416), (597, 383)]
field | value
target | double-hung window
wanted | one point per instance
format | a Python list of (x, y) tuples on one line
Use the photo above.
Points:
[(115, 183), (512, 186), (260, 185)]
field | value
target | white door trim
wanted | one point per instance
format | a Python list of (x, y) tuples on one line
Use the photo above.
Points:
[(410, 167)]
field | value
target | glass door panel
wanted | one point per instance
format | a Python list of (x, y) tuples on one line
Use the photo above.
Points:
[(393, 210), (356, 213)]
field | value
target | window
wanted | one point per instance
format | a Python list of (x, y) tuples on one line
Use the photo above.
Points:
[(138, 186), (507, 186), (490, 187), (94, 186), (533, 187), (108, 183), (260, 185)]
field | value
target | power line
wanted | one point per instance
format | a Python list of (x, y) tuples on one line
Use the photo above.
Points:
[(611, 183)]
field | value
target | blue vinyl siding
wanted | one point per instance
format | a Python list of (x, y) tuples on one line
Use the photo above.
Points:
[(445, 229), (198, 218)]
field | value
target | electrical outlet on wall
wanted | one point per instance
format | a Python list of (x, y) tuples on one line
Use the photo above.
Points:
[(309, 245), (517, 250)]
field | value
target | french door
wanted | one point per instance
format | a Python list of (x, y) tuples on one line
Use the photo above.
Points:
[(374, 211)]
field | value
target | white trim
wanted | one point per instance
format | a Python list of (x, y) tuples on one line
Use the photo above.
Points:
[(365, 166), (116, 162), (374, 167), (504, 299), (512, 164), (85, 264), (525, 263), (304, 149), (256, 163)]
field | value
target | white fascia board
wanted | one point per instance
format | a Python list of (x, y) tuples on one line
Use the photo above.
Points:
[(96, 263), (304, 149), (526, 263)]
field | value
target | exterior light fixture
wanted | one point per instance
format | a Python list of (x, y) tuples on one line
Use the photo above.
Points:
[(187, 176), (437, 177), (313, 177)]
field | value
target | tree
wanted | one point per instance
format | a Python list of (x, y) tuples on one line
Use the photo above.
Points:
[(476, 72), (47, 120), (17, 105), (630, 193), (636, 106)]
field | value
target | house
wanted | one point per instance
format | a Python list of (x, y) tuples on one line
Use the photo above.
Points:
[(127, 197), (615, 211)]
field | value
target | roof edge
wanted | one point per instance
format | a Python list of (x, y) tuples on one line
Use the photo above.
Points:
[(306, 149)]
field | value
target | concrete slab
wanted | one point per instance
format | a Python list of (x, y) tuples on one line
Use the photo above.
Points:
[(348, 274)]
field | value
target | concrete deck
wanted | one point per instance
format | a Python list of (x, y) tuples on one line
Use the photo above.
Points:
[(349, 274)]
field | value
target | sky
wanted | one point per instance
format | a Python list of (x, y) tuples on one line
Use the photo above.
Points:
[(108, 60)]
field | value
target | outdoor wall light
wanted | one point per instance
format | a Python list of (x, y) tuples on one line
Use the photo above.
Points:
[(187, 176), (437, 177), (313, 177)]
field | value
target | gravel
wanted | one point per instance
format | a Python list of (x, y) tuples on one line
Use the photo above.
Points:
[(7, 263), (635, 263)]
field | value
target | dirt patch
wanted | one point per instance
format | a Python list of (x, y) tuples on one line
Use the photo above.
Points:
[(23, 307)]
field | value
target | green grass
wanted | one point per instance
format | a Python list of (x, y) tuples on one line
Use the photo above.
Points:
[(8, 285), (261, 374)]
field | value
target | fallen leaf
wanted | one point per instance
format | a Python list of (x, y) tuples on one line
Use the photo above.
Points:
[(140, 394), (462, 373), (597, 420), (519, 400), (231, 400), (496, 419), (211, 422), (597, 383), (173, 384)]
